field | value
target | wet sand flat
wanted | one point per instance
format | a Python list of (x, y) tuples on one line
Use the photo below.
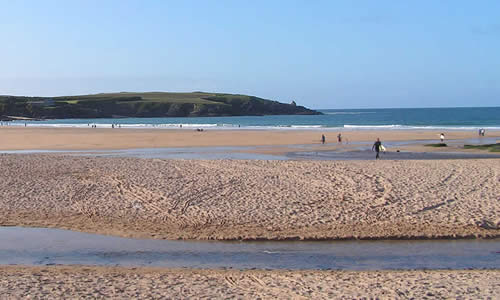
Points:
[(119, 283), (14, 138), (226, 200)]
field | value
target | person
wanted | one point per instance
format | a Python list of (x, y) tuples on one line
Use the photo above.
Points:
[(323, 139), (483, 131), (339, 137), (480, 131), (376, 146), (442, 137)]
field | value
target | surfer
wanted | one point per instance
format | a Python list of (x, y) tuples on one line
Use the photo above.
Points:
[(377, 147)]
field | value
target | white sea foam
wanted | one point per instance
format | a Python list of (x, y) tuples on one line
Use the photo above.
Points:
[(411, 127), (228, 126)]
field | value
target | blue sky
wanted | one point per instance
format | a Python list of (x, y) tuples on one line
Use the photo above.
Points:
[(322, 54)]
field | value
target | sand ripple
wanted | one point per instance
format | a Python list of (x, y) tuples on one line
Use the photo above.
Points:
[(145, 283), (252, 199)]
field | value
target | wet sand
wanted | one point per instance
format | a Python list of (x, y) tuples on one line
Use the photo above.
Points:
[(275, 200), (119, 283), (390, 155), (100, 139)]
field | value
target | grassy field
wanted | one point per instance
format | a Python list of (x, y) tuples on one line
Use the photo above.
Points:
[(193, 98)]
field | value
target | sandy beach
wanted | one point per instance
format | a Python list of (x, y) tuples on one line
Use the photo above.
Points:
[(15, 138), (246, 200), (225, 200), (119, 283)]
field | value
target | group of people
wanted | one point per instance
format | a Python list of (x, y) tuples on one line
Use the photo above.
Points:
[(377, 146), (339, 138)]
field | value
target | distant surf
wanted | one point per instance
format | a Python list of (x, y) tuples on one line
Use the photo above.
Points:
[(471, 118)]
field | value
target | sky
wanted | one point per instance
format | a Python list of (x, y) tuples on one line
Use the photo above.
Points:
[(321, 54)]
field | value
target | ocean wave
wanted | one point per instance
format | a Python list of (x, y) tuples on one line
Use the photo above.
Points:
[(229, 126), (307, 126), (420, 127)]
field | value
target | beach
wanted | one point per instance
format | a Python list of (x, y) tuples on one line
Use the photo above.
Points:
[(237, 199), (33, 138), (249, 150), (244, 200), (154, 283)]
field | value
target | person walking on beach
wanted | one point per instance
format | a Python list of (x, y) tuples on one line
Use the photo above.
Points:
[(442, 137), (323, 139), (377, 147), (339, 138)]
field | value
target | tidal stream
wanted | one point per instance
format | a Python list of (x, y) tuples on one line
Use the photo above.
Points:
[(42, 246)]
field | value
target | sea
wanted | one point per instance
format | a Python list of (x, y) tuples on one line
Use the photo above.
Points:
[(458, 118)]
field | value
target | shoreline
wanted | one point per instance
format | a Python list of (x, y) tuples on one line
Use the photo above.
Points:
[(113, 139), (148, 282)]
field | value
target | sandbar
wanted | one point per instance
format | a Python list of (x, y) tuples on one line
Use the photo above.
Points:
[(252, 200)]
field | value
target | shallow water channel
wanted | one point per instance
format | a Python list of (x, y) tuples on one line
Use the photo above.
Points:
[(41, 246), (360, 151)]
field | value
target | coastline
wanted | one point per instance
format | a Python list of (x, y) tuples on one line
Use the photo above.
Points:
[(245, 200)]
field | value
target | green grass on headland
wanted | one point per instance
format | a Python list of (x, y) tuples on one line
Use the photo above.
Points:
[(489, 147), (436, 145), (151, 104)]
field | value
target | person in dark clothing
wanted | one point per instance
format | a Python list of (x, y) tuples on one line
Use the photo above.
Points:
[(376, 146), (323, 139)]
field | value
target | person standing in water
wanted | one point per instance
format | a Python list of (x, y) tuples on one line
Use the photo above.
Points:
[(323, 139), (376, 146)]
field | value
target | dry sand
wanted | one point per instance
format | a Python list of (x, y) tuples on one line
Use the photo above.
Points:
[(252, 199), (97, 139), (147, 283)]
